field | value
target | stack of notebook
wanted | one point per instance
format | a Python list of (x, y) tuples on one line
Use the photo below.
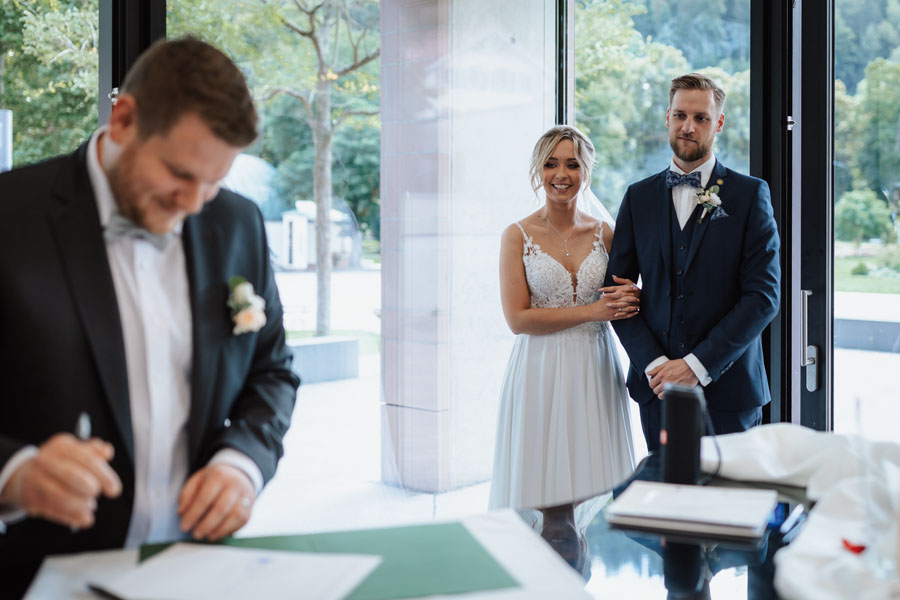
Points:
[(693, 509)]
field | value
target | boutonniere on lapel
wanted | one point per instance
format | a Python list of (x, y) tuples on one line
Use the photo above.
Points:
[(247, 307), (711, 203)]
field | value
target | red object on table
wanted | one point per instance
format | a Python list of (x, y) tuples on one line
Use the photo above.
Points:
[(854, 548)]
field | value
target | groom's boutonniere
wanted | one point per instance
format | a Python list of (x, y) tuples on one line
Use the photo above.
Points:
[(709, 199), (247, 307)]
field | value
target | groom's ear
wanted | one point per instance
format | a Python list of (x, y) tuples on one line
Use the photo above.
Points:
[(667, 117), (719, 123)]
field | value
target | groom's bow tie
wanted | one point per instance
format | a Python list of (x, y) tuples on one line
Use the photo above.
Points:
[(691, 179), (120, 227)]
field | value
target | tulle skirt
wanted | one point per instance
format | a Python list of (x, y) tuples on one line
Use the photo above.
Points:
[(564, 427)]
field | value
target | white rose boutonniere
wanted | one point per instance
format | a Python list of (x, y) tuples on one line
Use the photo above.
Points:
[(247, 307), (709, 199)]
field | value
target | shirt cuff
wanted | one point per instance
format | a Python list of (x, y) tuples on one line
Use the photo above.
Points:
[(659, 361), (239, 460), (8, 513), (699, 370)]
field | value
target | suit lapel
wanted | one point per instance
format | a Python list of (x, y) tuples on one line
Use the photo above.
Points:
[(208, 295), (75, 224), (718, 172), (661, 211)]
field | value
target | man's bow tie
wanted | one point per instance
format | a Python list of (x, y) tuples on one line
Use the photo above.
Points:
[(120, 227), (691, 179)]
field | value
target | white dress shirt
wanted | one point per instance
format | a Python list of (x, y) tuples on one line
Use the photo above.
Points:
[(684, 199), (154, 307)]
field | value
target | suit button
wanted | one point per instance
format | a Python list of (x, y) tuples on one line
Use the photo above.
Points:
[(680, 296), (679, 272), (681, 346), (681, 247)]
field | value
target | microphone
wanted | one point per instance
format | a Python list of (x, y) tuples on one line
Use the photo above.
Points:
[(683, 410)]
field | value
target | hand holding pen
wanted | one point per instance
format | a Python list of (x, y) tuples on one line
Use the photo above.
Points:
[(63, 479)]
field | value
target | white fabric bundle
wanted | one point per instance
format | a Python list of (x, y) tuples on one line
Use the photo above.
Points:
[(856, 486)]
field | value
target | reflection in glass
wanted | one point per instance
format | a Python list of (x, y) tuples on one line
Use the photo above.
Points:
[(866, 209)]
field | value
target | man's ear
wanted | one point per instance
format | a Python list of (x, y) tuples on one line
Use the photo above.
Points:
[(667, 117), (123, 119), (720, 122)]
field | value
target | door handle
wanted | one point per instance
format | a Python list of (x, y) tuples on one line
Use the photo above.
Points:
[(809, 356)]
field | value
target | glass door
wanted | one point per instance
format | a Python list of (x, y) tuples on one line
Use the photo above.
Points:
[(866, 186)]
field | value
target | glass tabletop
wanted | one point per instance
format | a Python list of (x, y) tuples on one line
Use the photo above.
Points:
[(619, 563)]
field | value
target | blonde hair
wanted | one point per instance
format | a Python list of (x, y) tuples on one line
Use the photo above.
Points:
[(547, 143), (698, 81)]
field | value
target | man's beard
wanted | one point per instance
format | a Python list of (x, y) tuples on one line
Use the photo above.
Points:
[(123, 192), (697, 153)]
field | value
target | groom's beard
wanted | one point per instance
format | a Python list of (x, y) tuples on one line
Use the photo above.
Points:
[(699, 150)]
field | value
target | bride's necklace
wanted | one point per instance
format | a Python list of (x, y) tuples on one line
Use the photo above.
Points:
[(559, 235)]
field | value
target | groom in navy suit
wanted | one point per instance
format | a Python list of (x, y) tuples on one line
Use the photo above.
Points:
[(704, 242), (116, 263)]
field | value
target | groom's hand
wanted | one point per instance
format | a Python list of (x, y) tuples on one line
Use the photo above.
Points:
[(673, 371), (61, 483), (216, 501)]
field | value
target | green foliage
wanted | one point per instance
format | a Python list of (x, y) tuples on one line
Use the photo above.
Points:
[(845, 281), (48, 74), (889, 258), (357, 173), (861, 215), (861, 269), (719, 30), (863, 31), (848, 137), (623, 69), (286, 75), (879, 108)]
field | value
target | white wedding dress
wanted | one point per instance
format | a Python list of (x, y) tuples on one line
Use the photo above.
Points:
[(564, 427)]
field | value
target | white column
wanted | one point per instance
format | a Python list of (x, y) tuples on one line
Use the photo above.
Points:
[(467, 87)]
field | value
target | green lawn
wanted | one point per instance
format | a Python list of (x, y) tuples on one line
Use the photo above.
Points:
[(844, 281), (369, 343)]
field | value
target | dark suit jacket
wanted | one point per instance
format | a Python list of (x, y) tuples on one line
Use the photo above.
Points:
[(731, 286), (62, 351)]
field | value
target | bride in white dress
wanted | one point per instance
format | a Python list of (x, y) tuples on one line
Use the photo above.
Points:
[(563, 430)]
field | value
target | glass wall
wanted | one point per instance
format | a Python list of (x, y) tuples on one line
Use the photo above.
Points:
[(315, 171), (428, 138), (626, 54), (48, 78), (866, 224)]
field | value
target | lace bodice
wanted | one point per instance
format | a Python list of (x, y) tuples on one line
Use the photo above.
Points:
[(550, 283)]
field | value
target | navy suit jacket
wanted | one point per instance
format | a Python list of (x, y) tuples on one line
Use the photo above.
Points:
[(62, 350), (731, 286)]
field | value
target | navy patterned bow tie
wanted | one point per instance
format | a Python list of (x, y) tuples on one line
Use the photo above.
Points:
[(120, 227), (691, 179)]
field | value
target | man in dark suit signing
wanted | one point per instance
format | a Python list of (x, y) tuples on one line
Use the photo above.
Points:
[(115, 264), (704, 242)]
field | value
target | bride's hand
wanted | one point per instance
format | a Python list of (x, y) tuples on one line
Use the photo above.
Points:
[(614, 309), (626, 291)]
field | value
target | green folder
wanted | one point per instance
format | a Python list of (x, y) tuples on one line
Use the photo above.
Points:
[(418, 560)]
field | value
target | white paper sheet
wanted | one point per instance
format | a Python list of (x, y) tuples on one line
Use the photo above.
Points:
[(188, 571)]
